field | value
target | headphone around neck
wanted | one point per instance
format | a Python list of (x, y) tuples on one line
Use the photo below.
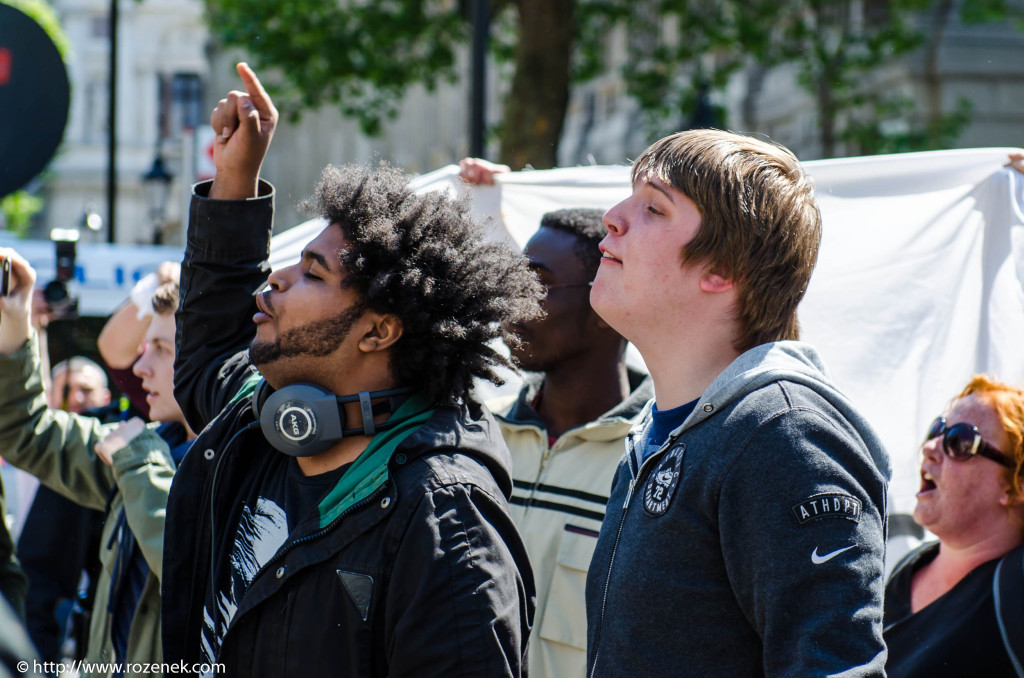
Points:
[(302, 420)]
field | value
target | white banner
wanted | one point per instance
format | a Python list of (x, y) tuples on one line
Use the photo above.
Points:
[(918, 284)]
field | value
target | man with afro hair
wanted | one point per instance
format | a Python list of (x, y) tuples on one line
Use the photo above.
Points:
[(345, 512)]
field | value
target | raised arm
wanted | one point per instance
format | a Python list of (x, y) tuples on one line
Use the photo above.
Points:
[(55, 446), (226, 254), (124, 331)]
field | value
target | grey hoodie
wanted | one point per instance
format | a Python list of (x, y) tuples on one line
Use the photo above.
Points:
[(751, 543)]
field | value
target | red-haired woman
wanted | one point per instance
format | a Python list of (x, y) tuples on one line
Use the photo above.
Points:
[(950, 605)]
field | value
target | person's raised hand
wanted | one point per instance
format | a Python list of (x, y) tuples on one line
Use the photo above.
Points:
[(1016, 162), (16, 307), (244, 124), (168, 271), (477, 171)]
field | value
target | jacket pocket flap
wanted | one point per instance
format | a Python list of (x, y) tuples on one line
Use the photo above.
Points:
[(576, 549)]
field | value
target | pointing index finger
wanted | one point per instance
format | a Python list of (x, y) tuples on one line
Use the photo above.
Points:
[(258, 95)]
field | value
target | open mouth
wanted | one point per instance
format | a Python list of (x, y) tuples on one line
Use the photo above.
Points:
[(927, 482), (264, 306)]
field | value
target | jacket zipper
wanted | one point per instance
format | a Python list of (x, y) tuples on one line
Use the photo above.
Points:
[(622, 520), (544, 457)]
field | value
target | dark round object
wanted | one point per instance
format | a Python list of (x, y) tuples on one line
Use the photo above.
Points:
[(34, 99), (55, 292)]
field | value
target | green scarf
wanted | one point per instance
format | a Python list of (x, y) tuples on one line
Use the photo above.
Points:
[(370, 470)]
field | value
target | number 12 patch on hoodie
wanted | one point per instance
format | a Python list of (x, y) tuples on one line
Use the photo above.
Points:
[(662, 484)]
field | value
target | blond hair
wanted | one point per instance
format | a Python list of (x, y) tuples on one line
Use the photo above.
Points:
[(165, 298), (760, 225)]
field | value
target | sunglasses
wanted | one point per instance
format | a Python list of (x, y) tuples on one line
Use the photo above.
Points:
[(962, 441)]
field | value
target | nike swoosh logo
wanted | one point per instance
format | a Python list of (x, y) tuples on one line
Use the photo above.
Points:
[(818, 560)]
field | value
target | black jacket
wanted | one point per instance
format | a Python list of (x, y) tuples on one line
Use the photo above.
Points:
[(424, 575)]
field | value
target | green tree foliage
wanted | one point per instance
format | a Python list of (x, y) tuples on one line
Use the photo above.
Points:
[(17, 210), (835, 47), (361, 55)]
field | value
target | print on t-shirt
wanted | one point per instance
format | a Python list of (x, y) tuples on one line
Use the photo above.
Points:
[(261, 532)]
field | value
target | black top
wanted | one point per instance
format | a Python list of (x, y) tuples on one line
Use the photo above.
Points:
[(280, 500), (956, 635)]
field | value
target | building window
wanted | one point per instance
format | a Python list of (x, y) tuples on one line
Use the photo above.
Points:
[(100, 27), (181, 99), (95, 128)]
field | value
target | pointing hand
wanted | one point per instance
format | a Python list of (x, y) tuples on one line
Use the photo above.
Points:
[(244, 123)]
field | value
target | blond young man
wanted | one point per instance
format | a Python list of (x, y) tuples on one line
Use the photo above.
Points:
[(745, 530)]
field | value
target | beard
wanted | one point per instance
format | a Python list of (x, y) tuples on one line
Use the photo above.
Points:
[(315, 339)]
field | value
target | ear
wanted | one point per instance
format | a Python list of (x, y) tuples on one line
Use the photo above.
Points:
[(383, 331), (1010, 498), (713, 282)]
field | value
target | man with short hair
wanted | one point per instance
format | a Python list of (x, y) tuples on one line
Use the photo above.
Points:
[(565, 430), (745, 530), (78, 384), (383, 547), (123, 468)]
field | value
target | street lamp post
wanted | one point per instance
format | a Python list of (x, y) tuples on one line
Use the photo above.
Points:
[(478, 89), (112, 119), (156, 184)]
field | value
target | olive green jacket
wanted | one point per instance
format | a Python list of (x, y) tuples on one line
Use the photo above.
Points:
[(13, 584), (58, 448)]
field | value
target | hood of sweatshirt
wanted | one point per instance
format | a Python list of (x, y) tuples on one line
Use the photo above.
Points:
[(792, 361)]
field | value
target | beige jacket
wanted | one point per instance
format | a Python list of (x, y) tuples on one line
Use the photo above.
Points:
[(558, 503)]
